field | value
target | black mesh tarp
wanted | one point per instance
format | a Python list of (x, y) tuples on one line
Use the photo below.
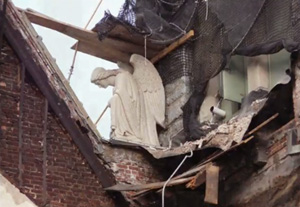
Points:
[(223, 28)]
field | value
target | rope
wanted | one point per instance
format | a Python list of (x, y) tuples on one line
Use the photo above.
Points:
[(175, 171), (76, 47)]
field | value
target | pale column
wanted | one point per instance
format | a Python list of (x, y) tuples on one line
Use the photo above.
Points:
[(257, 72)]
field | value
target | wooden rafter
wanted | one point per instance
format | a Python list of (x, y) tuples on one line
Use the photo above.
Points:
[(109, 48), (173, 46), (118, 46)]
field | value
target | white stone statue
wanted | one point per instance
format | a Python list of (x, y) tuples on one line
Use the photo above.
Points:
[(138, 102)]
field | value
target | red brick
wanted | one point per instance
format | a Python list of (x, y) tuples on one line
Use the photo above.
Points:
[(69, 177)]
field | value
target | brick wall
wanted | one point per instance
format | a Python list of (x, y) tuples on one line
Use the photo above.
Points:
[(69, 179), (274, 185), (131, 166)]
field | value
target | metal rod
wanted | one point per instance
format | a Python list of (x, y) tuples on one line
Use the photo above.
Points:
[(101, 115), (262, 124), (76, 48)]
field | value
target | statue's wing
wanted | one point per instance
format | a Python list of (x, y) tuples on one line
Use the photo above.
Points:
[(151, 85)]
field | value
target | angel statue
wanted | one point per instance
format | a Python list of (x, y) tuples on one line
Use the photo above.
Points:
[(138, 102)]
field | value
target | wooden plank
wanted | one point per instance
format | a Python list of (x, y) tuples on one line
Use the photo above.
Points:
[(212, 184), (152, 186), (48, 59), (173, 46), (119, 46), (67, 29), (103, 52), (202, 165), (111, 49), (108, 48), (122, 33), (91, 38), (198, 180), (200, 168), (262, 124)]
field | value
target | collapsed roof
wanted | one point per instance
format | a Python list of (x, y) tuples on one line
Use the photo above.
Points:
[(222, 29), (234, 134), (214, 155)]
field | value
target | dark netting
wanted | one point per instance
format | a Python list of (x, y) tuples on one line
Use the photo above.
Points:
[(177, 64), (163, 22), (222, 28)]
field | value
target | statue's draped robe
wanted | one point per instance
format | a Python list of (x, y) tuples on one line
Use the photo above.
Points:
[(131, 118)]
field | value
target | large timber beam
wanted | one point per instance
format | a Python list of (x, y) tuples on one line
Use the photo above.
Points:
[(112, 49), (109, 48)]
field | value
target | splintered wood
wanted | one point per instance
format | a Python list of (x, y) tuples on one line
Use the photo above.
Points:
[(212, 184), (198, 180)]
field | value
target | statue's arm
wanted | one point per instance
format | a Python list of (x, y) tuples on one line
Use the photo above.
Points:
[(125, 85)]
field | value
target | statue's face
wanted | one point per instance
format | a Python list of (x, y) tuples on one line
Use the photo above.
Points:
[(104, 83)]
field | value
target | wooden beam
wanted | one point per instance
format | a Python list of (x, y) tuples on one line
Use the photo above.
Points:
[(121, 32), (262, 124), (109, 48), (48, 60), (152, 186), (173, 46), (115, 46), (104, 52), (62, 27), (198, 180), (200, 177), (212, 184)]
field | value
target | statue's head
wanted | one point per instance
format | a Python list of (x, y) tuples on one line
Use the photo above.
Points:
[(103, 78)]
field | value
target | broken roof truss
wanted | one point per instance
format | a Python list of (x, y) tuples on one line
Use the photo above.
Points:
[(119, 45)]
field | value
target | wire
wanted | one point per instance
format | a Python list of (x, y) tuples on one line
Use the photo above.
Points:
[(175, 171), (206, 13), (76, 48)]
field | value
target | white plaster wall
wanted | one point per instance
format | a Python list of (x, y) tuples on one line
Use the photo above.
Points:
[(257, 72), (10, 196), (210, 99)]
